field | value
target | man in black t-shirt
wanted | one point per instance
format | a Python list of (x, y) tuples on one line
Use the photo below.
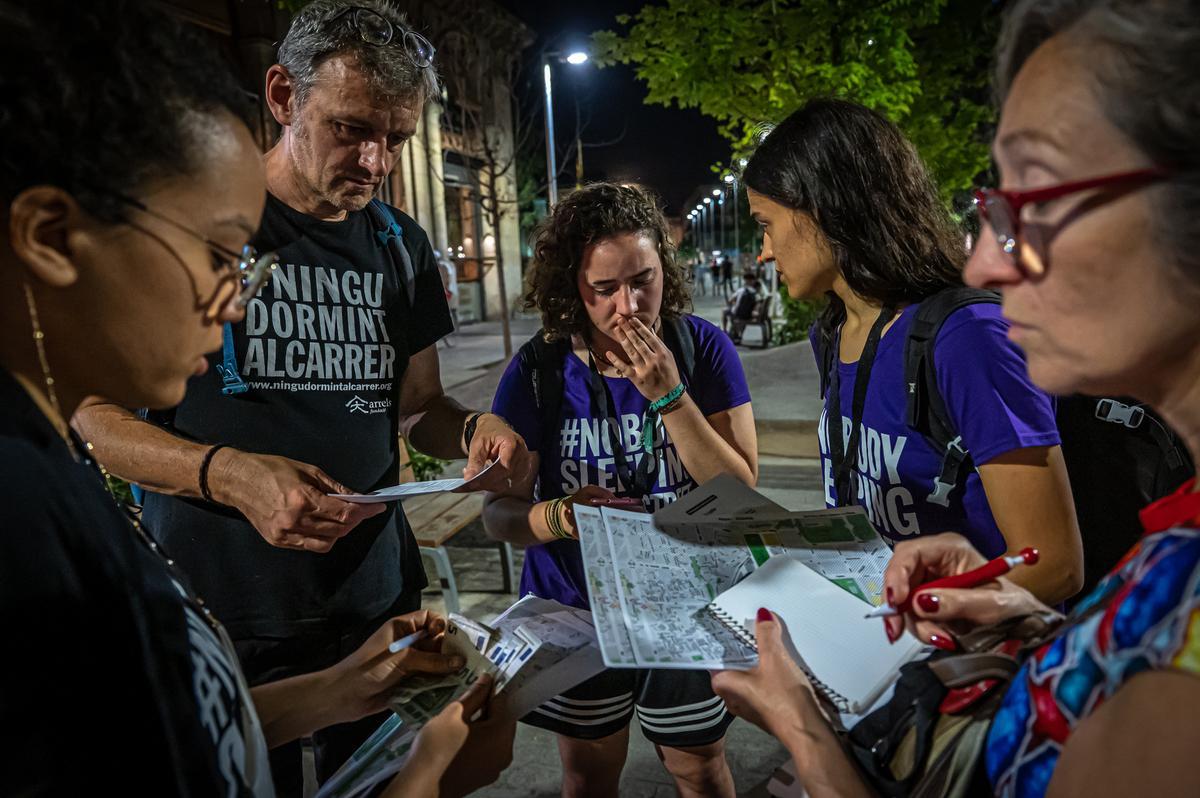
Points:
[(335, 359)]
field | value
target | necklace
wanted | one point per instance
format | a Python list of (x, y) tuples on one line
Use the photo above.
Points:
[(83, 452), (596, 361)]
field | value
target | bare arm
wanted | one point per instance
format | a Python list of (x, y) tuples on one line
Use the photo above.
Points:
[(286, 501), (1030, 498), (723, 443), (515, 517), (430, 420), (1139, 742), (436, 425), (141, 452)]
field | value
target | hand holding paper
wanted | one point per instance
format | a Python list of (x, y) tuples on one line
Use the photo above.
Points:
[(404, 491)]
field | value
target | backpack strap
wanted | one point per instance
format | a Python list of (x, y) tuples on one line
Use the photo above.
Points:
[(391, 235), (545, 361), (677, 335), (926, 409), (231, 379)]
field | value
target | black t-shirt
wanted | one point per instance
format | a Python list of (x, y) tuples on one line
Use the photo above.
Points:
[(109, 679), (323, 349)]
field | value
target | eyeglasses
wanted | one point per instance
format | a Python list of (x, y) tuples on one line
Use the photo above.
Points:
[(374, 28), (1001, 211), (242, 274)]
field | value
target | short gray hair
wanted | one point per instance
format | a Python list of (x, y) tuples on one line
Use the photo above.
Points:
[(313, 39), (1145, 58)]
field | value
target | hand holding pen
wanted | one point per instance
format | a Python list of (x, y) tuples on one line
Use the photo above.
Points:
[(940, 583)]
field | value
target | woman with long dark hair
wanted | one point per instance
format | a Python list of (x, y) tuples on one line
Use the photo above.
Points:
[(848, 211)]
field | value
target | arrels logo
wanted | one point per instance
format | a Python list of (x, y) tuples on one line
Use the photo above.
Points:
[(359, 405)]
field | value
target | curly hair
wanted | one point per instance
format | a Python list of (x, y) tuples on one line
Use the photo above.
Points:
[(592, 214)]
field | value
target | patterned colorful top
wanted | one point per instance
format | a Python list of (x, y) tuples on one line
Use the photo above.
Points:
[(1150, 620)]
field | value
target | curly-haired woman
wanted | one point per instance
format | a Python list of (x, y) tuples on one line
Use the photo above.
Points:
[(617, 342)]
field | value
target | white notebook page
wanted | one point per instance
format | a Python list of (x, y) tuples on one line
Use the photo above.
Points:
[(848, 653)]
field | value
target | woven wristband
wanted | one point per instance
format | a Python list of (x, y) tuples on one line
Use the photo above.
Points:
[(672, 395)]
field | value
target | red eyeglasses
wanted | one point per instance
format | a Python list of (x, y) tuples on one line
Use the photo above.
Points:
[(1001, 210)]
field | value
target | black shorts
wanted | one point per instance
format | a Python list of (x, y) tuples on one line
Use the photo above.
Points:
[(676, 708)]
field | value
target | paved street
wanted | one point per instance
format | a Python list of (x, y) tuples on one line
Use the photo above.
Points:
[(783, 382)]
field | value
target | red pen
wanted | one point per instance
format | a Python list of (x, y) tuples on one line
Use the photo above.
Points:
[(990, 570)]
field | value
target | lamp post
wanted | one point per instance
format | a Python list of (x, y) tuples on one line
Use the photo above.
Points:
[(712, 230), (720, 201), (577, 57), (737, 239)]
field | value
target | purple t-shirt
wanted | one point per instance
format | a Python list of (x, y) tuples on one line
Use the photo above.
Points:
[(581, 451), (991, 402)]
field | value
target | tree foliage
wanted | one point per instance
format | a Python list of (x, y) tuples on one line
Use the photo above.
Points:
[(748, 63)]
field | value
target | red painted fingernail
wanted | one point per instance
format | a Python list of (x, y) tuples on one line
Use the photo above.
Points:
[(928, 602), (944, 643), (891, 601), (764, 614), (887, 629)]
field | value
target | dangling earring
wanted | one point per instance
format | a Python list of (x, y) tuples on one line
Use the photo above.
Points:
[(39, 342)]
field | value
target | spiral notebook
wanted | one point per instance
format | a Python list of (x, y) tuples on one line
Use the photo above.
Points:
[(846, 656)]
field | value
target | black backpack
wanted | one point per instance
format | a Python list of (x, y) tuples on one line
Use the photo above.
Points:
[(1120, 456), (545, 361)]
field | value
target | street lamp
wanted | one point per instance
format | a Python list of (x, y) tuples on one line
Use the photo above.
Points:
[(576, 58)]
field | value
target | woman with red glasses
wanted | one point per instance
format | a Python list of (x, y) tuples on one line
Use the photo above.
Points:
[(1095, 246), (848, 211)]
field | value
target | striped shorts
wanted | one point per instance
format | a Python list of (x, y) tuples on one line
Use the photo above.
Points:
[(676, 708)]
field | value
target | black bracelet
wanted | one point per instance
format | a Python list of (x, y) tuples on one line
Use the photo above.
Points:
[(204, 464), (469, 431)]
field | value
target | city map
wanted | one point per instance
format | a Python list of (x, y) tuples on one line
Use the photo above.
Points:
[(651, 580)]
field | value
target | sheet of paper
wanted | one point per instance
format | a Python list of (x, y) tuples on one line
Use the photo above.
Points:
[(536, 649), (604, 595), (838, 543), (663, 585), (721, 495), (650, 577), (826, 632), (398, 492), (380, 757)]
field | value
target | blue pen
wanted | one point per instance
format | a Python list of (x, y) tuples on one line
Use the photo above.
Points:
[(406, 641)]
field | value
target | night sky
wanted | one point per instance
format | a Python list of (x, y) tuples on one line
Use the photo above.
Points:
[(667, 149)]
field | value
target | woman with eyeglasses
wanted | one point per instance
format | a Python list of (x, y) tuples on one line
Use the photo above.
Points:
[(848, 211), (1093, 244), (130, 186)]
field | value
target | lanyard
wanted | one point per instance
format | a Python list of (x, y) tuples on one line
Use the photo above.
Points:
[(843, 464), (639, 480)]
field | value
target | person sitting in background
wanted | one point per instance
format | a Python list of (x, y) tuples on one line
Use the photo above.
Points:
[(1095, 245), (740, 307)]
